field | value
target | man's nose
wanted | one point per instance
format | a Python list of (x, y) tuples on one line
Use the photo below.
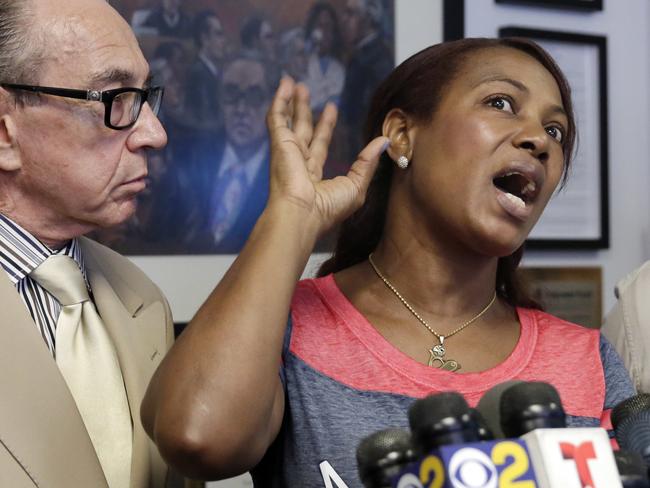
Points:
[(148, 131)]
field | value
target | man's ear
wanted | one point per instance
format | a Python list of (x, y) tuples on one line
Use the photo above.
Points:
[(397, 127), (9, 151)]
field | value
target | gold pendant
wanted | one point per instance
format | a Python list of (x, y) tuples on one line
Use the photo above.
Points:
[(437, 358)]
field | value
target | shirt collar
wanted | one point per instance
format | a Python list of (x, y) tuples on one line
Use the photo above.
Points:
[(173, 19), (251, 166), (367, 40), (21, 252), (209, 64)]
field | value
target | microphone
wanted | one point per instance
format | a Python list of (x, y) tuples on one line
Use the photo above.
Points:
[(382, 455), (548, 455), (489, 406), (441, 419), (568, 457), (631, 421), (484, 432), (632, 469), (454, 449), (527, 406)]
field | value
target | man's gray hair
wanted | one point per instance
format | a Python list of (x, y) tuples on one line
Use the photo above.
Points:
[(20, 59), (272, 72)]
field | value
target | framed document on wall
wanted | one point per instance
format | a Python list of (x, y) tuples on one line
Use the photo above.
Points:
[(573, 294), (577, 215), (586, 5)]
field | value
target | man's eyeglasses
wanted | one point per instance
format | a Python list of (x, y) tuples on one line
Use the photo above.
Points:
[(122, 105), (253, 96)]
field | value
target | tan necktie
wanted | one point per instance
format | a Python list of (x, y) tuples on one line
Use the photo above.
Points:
[(87, 359)]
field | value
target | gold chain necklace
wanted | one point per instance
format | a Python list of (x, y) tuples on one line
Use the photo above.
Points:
[(437, 352)]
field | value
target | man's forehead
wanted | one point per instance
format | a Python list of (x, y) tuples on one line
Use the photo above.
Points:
[(93, 43), (245, 72)]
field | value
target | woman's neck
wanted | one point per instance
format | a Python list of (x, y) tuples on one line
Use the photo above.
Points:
[(441, 285)]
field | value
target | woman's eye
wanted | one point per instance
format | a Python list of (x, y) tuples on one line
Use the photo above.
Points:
[(501, 103), (556, 133)]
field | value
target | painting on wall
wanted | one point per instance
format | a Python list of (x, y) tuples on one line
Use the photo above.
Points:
[(220, 62)]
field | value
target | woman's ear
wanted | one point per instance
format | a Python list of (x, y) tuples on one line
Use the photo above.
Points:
[(397, 127)]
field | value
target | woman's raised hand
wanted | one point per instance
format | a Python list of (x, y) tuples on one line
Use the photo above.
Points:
[(298, 153)]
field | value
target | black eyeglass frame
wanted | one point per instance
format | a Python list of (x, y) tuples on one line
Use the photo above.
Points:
[(106, 97)]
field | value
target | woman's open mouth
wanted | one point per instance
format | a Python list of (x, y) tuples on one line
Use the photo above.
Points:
[(516, 192)]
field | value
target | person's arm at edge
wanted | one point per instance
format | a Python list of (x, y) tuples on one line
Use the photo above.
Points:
[(216, 402)]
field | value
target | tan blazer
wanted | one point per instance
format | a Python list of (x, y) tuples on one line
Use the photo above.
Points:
[(43, 441), (627, 325)]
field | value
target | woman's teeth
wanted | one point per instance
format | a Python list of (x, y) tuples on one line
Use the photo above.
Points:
[(529, 188)]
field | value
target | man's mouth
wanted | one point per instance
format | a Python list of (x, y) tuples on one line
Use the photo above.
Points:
[(138, 184)]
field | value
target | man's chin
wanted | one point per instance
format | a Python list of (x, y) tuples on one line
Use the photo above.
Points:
[(119, 215), (241, 139)]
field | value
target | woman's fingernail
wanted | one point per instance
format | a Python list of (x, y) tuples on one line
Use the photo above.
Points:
[(385, 146)]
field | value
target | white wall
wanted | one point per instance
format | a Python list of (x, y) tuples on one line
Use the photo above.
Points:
[(188, 280)]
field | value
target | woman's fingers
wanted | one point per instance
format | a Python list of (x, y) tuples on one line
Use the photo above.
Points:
[(299, 147), (321, 140), (303, 125), (279, 115), (364, 167)]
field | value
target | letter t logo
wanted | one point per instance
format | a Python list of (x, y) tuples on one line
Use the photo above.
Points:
[(580, 455)]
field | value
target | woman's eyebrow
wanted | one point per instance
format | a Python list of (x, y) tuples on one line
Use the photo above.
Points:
[(491, 79), (555, 109)]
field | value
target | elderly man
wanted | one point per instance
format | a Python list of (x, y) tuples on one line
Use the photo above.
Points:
[(82, 328), (231, 173)]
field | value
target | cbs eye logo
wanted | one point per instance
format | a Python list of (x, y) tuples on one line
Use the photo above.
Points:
[(471, 468), (502, 464)]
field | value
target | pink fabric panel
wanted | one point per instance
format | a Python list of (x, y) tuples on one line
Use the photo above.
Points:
[(331, 336)]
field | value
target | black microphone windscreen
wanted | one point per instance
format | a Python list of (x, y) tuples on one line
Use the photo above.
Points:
[(484, 431), (632, 469), (434, 408), (630, 406), (441, 419), (633, 434), (529, 406), (489, 406), (382, 455)]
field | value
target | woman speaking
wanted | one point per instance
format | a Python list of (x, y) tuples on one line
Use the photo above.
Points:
[(467, 141)]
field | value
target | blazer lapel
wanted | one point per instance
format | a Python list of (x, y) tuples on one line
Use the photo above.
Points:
[(132, 323), (39, 421)]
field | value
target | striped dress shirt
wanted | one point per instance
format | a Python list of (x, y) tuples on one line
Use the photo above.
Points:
[(20, 254)]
